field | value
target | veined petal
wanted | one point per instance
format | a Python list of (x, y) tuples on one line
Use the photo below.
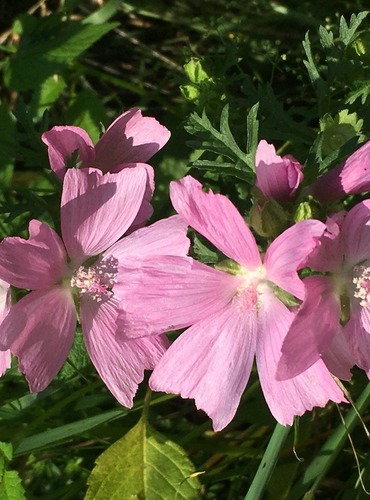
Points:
[(351, 177), (211, 363), (338, 357), (168, 292), (277, 177), (165, 237), (36, 263), (216, 218), (358, 338), (62, 142), (313, 328), (119, 362), (97, 209), (39, 330), (355, 234), (288, 398), (146, 209), (130, 138), (287, 253), (328, 255)]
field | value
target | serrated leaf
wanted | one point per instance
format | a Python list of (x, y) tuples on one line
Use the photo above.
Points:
[(347, 32), (11, 487), (47, 94), (221, 143), (326, 38), (144, 465), (77, 359), (47, 45), (203, 253), (87, 111)]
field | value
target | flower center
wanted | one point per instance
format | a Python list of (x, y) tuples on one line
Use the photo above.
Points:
[(96, 282), (361, 281), (247, 295)]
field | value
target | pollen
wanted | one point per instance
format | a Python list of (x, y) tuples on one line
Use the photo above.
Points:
[(96, 282), (247, 296), (362, 284)]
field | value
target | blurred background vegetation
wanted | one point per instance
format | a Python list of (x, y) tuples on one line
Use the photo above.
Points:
[(83, 63)]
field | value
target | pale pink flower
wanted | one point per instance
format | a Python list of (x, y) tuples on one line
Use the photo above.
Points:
[(340, 297), (350, 177), (278, 177), (96, 210), (235, 315), (4, 309), (131, 140)]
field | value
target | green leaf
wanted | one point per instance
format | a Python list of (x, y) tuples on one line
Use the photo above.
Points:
[(77, 359), (47, 45), (311, 478), (10, 484), (144, 465), (88, 112), (11, 487), (8, 144), (45, 95), (347, 32), (59, 434), (223, 144)]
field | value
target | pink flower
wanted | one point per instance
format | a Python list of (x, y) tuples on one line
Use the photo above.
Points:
[(96, 210), (4, 309), (131, 140), (340, 297), (351, 177), (235, 315), (277, 177)]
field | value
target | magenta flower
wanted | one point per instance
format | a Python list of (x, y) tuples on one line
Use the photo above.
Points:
[(131, 140), (340, 297), (277, 177), (351, 177), (234, 315), (96, 210), (4, 309)]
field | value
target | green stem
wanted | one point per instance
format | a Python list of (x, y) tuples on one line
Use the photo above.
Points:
[(268, 463), (311, 478)]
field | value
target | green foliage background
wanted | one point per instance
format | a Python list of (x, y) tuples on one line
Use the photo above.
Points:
[(220, 76)]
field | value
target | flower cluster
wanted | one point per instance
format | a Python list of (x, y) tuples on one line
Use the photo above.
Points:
[(128, 284)]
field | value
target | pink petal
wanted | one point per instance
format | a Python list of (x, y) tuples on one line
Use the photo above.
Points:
[(39, 330), (35, 263), (5, 361), (355, 234), (5, 302), (338, 357), (328, 255), (211, 363), (313, 328), (288, 398), (5, 299), (167, 293), (358, 338), (62, 142), (165, 237), (216, 218), (97, 209), (120, 363), (287, 253), (131, 138), (146, 209), (351, 177), (277, 177)]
